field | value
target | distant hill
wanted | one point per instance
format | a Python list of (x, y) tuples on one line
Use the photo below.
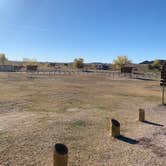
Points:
[(146, 62), (151, 62)]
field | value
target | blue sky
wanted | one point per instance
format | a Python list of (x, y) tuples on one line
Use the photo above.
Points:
[(96, 30)]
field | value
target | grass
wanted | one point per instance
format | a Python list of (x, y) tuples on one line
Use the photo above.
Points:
[(75, 110), (5, 137), (78, 123)]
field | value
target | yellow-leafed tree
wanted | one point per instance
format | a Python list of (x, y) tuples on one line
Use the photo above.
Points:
[(3, 59), (121, 61)]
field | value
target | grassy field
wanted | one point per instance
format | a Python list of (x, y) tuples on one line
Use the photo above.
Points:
[(37, 112)]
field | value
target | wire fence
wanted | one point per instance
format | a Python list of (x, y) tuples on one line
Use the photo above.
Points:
[(115, 75)]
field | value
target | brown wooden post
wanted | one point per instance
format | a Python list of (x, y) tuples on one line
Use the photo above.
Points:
[(114, 128), (60, 157), (163, 80), (141, 115), (163, 95)]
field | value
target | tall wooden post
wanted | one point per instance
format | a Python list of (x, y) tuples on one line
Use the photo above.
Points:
[(163, 80), (163, 95), (60, 157)]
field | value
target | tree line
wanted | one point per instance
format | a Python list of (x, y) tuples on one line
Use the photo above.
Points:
[(78, 63)]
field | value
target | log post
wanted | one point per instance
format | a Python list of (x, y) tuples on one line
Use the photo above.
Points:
[(163, 94), (60, 157), (114, 128), (141, 115)]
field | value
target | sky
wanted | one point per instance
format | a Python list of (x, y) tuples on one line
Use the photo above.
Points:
[(96, 30)]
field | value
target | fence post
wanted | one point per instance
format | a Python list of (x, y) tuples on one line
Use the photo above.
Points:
[(114, 128), (60, 157), (163, 91), (141, 115)]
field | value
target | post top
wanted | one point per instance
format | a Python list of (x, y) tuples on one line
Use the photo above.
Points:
[(115, 122), (61, 149)]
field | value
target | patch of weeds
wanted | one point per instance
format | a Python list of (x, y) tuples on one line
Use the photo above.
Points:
[(102, 107), (3, 135), (62, 110), (78, 123), (152, 98)]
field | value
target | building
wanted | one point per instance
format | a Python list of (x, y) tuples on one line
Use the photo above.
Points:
[(18, 68), (6, 68), (102, 66), (128, 69), (10, 68), (31, 67)]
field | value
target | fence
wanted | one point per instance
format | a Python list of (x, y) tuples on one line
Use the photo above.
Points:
[(111, 74)]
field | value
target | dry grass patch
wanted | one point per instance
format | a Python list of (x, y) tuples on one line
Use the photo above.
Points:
[(37, 113)]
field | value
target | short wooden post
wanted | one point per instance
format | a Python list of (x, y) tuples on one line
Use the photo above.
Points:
[(114, 128), (141, 115), (60, 156)]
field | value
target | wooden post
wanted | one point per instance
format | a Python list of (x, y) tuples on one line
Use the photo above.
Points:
[(141, 115), (60, 157), (114, 128), (163, 95)]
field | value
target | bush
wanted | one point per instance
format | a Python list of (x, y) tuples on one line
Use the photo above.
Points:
[(3, 59), (78, 63), (121, 61), (155, 65)]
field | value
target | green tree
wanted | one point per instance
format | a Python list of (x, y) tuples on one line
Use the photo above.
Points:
[(3, 59), (121, 61), (78, 63)]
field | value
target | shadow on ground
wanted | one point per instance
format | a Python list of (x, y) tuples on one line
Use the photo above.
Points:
[(162, 105), (145, 79), (152, 123), (127, 140)]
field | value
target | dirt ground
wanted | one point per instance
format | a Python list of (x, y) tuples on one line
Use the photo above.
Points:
[(38, 111)]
